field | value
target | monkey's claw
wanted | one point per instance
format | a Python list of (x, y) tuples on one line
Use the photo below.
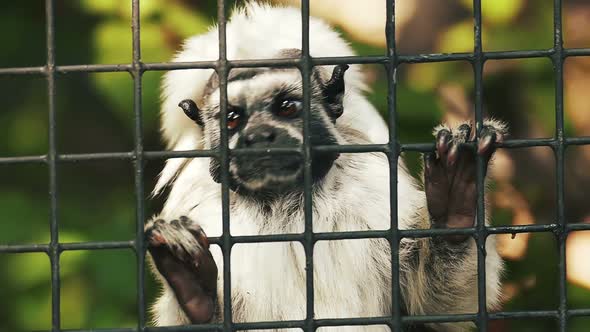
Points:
[(450, 173), (180, 251)]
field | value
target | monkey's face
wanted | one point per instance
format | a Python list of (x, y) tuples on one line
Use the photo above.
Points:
[(265, 110)]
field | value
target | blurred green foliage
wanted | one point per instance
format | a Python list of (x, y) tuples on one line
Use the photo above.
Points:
[(95, 114)]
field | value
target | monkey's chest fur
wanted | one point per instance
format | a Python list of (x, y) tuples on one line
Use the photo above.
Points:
[(352, 278)]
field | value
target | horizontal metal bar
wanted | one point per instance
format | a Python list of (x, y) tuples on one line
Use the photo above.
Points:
[(179, 154), (94, 68), (585, 140), (23, 71), (357, 148), (412, 58), (524, 314), (508, 144), (267, 151), (95, 156), (513, 55), (578, 227), (97, 245), (123, 329), (435, 57), (24, 160), (514, 229), (264, 63), (298, 237), (23, 248), (550, 314), (439, 318), (349, 60), (187, 328), (576, 52), (360, 148), (578, 312), (353, 321), (260, 238), (179, 65)]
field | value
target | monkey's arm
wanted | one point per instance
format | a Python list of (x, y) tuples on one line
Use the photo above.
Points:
[(440, 274), (180, 252)]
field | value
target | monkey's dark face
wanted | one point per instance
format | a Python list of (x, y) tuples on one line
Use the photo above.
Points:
[(265, 110)]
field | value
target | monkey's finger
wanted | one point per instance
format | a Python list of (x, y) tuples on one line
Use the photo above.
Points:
[(195, 231), (443, 138), (463, 133), (453, 154), (486, 142), (460, 136), (429, 163)]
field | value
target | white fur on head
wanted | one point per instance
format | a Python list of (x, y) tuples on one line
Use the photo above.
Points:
[(256, 31)]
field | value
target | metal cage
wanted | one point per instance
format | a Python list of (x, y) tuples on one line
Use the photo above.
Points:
[(560, 228)]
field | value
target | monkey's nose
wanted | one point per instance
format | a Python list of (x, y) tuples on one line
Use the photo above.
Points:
[(261, 136)]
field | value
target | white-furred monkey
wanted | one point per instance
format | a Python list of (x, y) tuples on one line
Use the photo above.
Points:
[(352, 278)]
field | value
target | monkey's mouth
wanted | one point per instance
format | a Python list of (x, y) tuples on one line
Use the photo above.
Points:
[(259, 173)]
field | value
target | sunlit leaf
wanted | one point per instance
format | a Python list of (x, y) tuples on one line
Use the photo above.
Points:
[(28, 270), (74, 303), (33, 123), (33, 311), (424, 77), (458, 38), (183, 21), (102, 6), (497, 11)]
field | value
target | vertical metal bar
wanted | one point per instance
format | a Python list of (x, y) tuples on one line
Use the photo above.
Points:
[(138, 164), (481, 232), (393, 156), (308, 242), (54, 252), (222, 71), (561, 232)]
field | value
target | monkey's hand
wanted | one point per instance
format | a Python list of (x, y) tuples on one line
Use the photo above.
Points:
[(180, 251), (450, 174)]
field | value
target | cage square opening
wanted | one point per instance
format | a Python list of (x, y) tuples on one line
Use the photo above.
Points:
[(522, 186), (24, 116), (348, 259), (93, 32), (576, 18), (284, 279), (523, 325), (521, 92), (516, 24), (24, 34), (578, 324), (98, 289), (24, 203), (361, 23), (576, 181), (531, 276), (434, 26), (97, 201), (577, 246), (576, 73), (95, 113), (165, 26), (432, 93), (26, 281)]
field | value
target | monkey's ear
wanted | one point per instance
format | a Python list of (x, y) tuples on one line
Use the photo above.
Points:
[(192, 111), (334, 91)]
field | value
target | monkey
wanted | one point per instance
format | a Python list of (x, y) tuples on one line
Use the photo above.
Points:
[(350, 192)]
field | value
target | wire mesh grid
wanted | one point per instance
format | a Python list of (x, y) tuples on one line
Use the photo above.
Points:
[(396, 321)]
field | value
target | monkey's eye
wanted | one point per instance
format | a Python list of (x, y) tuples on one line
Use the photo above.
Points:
[(289, 108), (234, 116)]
